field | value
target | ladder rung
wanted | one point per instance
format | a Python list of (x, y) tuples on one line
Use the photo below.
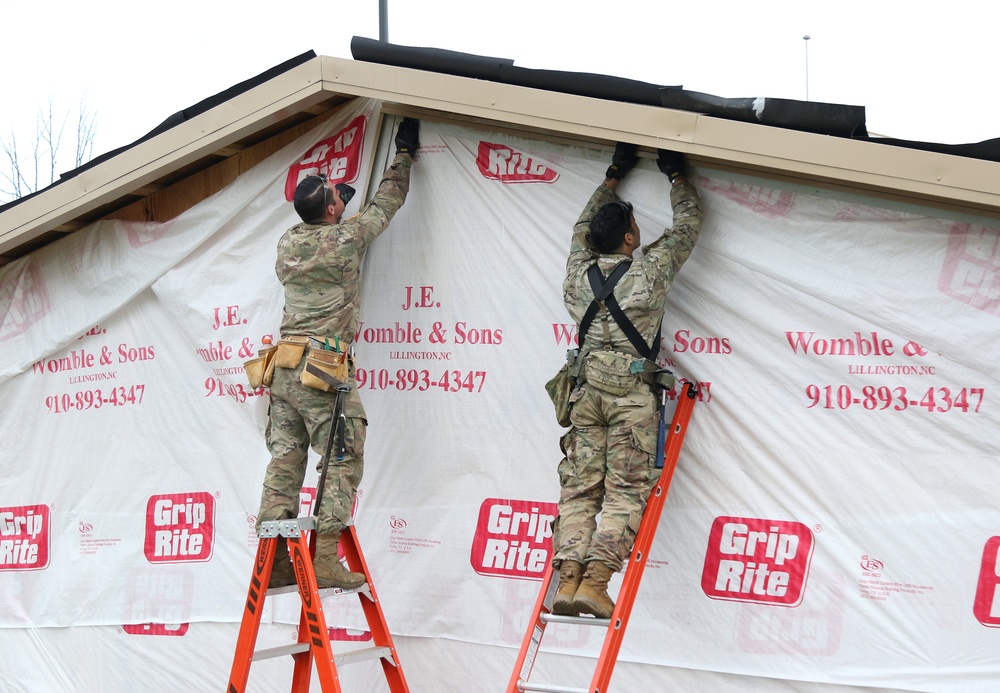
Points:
[(578, 620), (342, 658), (548, 688), (281, 651), (287, 589), (324, 592)]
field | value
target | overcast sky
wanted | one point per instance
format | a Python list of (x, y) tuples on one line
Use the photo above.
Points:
[(921, 74)]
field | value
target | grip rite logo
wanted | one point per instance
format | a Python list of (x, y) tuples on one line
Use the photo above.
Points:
[(24, 537), (513, 538), (337, 157), (759, 561), (971, 269), (23, 300), (180, 528), (768, 203), (157, 602), (986, 608), (500, 162), (169, 629)]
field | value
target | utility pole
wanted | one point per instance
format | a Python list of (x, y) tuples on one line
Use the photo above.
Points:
[(383, 21), (806, 39)]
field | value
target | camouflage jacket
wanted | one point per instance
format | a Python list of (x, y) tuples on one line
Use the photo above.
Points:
[(319, 264), (642, 292)]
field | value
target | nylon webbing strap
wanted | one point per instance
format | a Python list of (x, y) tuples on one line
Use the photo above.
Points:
[(604, 297), (630, 331), (602, 288)]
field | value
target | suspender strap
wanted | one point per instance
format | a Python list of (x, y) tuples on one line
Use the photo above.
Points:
[(627, 327), (604, 298), (602, 288)]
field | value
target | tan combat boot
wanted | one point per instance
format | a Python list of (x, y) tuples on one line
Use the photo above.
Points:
[(329, 570), (592, 595), (282, 571), (570, 574)]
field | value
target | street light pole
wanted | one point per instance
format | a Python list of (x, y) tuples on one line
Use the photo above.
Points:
[(806, 39), (383, 21)]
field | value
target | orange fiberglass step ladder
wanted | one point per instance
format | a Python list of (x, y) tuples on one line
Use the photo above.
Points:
[(313, 642), (542, 615)]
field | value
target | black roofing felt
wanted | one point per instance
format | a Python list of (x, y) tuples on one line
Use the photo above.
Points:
[(808, 116), (826, 119)]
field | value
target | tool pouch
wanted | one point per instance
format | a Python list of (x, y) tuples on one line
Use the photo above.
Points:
[(259, 370), (610, 371), (290, 350), (333, 363), (559, 388), (651, 373)]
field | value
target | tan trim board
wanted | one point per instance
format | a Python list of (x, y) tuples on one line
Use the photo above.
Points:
[(928, 178), (139, 166)]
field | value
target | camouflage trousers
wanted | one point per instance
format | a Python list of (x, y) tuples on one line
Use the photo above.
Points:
[(300, 417), (609, 468)]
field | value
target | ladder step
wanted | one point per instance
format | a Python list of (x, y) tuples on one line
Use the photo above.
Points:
[(338, 658), (363, 655), (578, 620), (548, 688), (280, 651), (324, 592)]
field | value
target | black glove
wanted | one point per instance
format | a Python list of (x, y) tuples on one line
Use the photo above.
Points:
[(346, 192), (407, 140), (670, 163), (623, 161)]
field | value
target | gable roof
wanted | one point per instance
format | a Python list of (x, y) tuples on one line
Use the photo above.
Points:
[(714, 133)]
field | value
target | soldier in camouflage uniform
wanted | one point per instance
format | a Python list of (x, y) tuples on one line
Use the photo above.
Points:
[(610, 448), (318, 264)]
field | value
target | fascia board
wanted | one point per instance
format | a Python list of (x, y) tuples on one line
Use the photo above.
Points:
[(278, 98), (927, 178), (863, 167), (567, 114)]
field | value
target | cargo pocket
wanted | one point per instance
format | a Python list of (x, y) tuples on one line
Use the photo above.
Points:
[(632, 529), (639, 470), (644, 438)]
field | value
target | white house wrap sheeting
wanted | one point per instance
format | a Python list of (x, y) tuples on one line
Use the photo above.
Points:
[(832, 523)]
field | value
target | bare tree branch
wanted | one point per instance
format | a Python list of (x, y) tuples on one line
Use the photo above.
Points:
[(51, 135), (86, 130), (15, 185), (21, 173)]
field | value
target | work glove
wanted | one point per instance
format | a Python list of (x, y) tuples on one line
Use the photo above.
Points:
[(670, 163), (346, 192), (407, 139), (623, 161)]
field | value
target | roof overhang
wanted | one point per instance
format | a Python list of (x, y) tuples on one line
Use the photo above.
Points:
[(867, 168)]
